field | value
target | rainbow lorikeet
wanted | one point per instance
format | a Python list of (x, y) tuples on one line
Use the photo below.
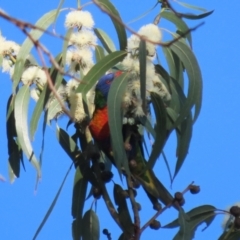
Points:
[(100, 131)]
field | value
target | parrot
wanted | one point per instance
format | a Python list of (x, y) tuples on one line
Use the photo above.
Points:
[(100, 132)]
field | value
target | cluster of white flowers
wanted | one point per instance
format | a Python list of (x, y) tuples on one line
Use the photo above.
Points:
[(34, 74), (132, 98), (81, 43), (228, 218), (8, 51), (76, 101)]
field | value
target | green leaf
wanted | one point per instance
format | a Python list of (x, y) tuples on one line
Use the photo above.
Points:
[(14, 157), (67, 143), (91, 227), (114, 103), (192, 6), (44, 98), (52, 204), (178, 98), (117, 21), (79, 194), (58, 10), (160, 129), (194, 97), (196, 17), (99, 69), (142, 65), (99, 53), (183, 142), (10, 174), (21, 113), (198, 214), (77, 229), (44, 22), (185, 231), (180, 24), (230, 235), (147, 124), (170, 61), (106, 41)]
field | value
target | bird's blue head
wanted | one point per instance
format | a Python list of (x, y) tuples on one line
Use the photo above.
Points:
[(105, 82)]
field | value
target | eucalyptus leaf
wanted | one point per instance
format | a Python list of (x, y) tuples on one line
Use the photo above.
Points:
[(180, 24), (196, 17), (44, 22), (21, 113), (160, 129), (194, 97), (99, 53), (91, 226), (67, 143), (79, 194), (117, 22), (106, 41), (99, 69), (114, 103), (44, 98), (183, 142)]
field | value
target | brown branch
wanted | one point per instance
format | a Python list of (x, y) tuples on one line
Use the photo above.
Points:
[(168, 44), (49, 80), (135, 209)]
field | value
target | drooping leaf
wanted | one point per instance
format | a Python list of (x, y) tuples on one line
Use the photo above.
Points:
[(191, 6), (21, 113), (44, 22), (77, 229), (99, 53), (67, 143), (185, 232), (91, 226), (170, 61), (142, 65), (79, 194), (194, 97), (196, 17), (178, 98), (233, 235), (99, 69), (116, 19), (52, 205), (58, 10), (106, 41), (160, 129), (180, 24), (147, 124), (114, 102), (14, 157), (183, 140), (197, 216), (43, 99), (11, 174)]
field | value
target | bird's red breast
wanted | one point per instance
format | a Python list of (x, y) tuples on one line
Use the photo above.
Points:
[(99, 125)]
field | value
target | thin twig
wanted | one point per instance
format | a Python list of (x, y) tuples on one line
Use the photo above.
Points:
[(162, 210), (135, 209), (168, 44)]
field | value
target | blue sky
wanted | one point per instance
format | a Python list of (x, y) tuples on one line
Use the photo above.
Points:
[(213, 159)]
